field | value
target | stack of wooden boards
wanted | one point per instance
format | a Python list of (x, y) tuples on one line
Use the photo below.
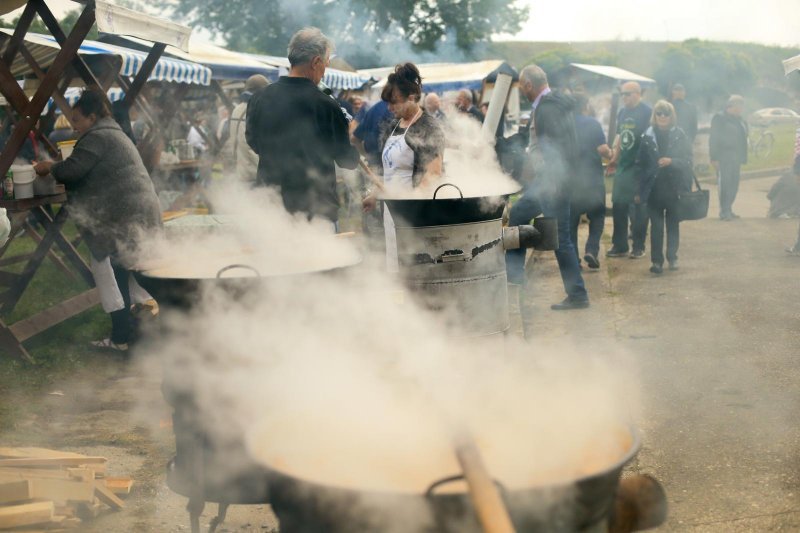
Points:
[(52, 490)]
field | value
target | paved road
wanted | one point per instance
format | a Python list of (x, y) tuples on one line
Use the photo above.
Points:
[(717, 349)]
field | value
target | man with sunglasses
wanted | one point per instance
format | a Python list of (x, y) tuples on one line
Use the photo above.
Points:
[(632, 121), (299, 132)]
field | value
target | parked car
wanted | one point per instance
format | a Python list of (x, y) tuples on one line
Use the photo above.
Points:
[(774, 115)]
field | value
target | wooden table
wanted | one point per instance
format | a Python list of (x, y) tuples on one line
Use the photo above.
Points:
[(194, 187), (41, 208)]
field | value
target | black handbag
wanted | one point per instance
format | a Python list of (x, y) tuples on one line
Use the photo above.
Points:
[(693, 205)]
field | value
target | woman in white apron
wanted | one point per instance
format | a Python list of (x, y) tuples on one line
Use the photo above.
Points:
[(413, 150)]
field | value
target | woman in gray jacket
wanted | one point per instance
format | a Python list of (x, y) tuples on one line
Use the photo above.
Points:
[(112, 202)]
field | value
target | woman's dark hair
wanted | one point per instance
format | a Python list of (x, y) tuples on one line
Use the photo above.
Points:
[(405, 80), (93, 101)]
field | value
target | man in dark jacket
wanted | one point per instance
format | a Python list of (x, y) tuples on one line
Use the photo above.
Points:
[(554, 153), (298, 132), (728, 152), (589, 191), (686, 112)]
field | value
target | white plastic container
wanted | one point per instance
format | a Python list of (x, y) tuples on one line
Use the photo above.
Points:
[(23, 181), (66, 148)]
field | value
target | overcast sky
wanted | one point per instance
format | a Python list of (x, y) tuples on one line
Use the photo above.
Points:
[(760, 21)]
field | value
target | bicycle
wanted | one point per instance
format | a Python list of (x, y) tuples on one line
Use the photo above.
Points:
[(761, 146)]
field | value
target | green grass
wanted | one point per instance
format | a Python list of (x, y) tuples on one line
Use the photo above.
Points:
[(57, 352), (782, 151)]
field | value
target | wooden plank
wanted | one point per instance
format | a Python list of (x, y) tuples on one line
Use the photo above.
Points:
[(58, 95), (25, 329), (53, 462), (82, 26), (30, 473), (24, 452), (26, 515), (119, 485), (23, 24), (84, 474), (9, 345), (31, 232), (62, 490), (15, 491), (144, 73), (105, 495)]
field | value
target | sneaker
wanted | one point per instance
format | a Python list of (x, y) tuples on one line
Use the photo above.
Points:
[(794, 250), (637, 254), (734, 215), (568, 304), (108, 344), (656, 269), (591, 261), (673, 265), (613, 252)]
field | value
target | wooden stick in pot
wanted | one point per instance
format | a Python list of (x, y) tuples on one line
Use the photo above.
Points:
[(489, 506), (371, 175)]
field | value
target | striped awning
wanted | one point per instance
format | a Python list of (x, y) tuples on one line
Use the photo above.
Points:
[(44, 49), (791, 64), (334, 78), (73, 93)]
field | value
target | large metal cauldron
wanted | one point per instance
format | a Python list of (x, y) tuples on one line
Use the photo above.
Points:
[(205, 469), (451, 253), (585, 504)]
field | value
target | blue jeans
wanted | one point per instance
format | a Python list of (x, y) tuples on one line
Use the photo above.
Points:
[(523, 211)]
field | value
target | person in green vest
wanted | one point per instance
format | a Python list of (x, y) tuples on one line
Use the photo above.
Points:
[(632, 121)]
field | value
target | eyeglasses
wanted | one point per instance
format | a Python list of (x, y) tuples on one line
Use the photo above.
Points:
[(663, 114)]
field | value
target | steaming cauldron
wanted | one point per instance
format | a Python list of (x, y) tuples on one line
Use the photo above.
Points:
[(584, 504), (205, 470), (451, 253)]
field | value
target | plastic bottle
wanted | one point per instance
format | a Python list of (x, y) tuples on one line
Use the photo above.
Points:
[(8, 186)]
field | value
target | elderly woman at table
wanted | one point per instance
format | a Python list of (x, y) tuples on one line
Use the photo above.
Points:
[(113, 203)]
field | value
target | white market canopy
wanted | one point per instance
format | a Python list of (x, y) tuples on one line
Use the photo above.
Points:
[(442, 77), (615, 73), (224, 64), (791, 64), (111, 18), (44, 49), (334, 78)]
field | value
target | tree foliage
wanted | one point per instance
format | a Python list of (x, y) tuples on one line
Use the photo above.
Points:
[(363, 26), (709, 71), (66, 23)]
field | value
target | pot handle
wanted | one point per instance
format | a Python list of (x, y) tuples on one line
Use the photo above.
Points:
[(448, 185), (444, 481), (232, 267)]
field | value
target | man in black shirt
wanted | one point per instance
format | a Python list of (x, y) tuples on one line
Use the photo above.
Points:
[(298, 132)]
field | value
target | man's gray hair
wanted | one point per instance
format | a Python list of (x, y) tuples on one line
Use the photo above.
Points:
[(307, 44), (534, 74), (734, 100)]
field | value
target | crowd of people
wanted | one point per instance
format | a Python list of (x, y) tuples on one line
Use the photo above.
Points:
[(292, 136)]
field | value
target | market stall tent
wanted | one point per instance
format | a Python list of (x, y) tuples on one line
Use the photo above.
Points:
[(791, 64), (443, 77), (334, 78)]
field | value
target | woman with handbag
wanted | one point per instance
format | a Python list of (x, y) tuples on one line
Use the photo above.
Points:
[(663, 172)]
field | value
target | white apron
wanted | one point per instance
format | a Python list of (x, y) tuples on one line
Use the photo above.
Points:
[(398, 171)]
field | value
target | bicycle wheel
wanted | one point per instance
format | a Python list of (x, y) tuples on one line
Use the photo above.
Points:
[(763, 147)]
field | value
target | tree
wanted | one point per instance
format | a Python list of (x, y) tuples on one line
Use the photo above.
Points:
[(362, 27), (709, 71)]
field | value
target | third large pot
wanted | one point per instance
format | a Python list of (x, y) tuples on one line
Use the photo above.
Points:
[(584, 504)]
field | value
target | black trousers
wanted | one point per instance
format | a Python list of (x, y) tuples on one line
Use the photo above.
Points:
[(729, 176), (596, 213), (637, 215), (659, 215), (122, 328)]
